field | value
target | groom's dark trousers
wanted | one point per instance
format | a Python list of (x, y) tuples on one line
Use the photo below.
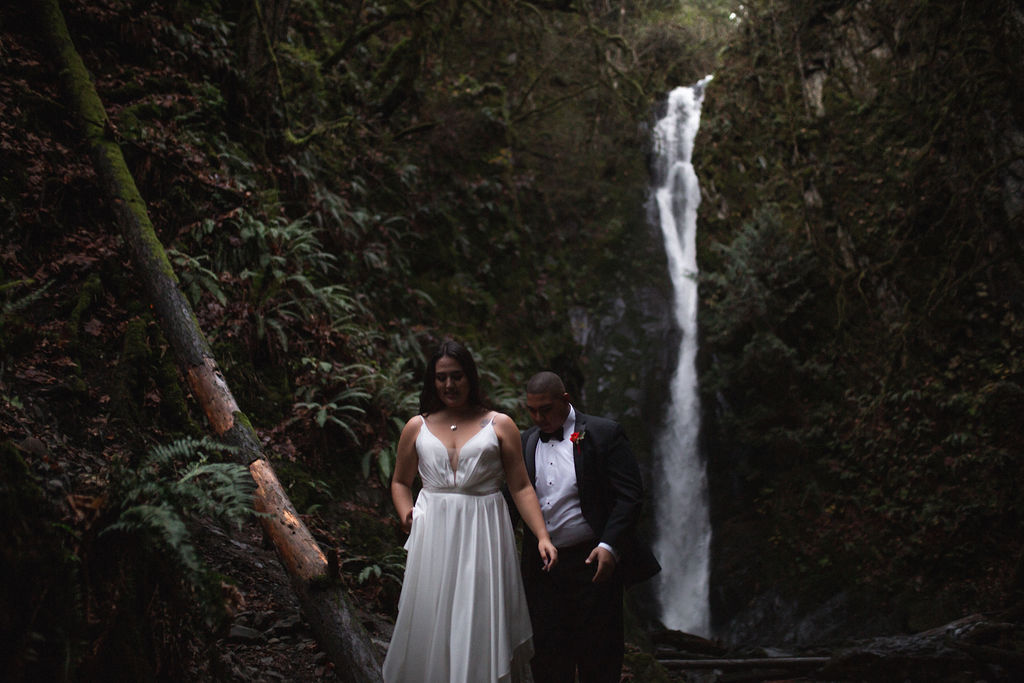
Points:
[(576, 623)]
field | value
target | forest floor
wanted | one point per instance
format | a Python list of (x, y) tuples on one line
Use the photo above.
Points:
[(268, 639), (264, 638)]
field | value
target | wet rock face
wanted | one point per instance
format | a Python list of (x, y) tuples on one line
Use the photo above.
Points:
[(775, 620), (975, 648), (970, 650), (630, 346)]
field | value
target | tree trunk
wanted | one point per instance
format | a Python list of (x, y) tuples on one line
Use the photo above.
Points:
[(324, 602), (258, 25)]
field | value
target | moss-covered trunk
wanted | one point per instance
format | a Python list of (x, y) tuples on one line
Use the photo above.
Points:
[(324, 603)]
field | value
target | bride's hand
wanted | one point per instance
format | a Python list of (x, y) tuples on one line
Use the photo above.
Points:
[(548, 554), (407, 522)]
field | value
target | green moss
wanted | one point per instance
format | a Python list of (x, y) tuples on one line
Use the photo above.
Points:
[(174, 405), (135, 348), (16, 479), (96, 129), (141, 368), (645, 668), (127, 91), (243, 419), (90, 292), (77, 386), (129, 127), (133, 373)]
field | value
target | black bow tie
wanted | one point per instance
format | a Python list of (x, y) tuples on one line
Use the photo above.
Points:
[(551, 436)]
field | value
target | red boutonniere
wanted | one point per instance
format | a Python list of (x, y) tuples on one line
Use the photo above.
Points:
[(576, 438)]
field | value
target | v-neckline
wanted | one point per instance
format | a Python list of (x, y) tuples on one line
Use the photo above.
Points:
[(458, 452)]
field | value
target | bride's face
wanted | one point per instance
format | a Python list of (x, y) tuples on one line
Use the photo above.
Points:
[(451, 383)]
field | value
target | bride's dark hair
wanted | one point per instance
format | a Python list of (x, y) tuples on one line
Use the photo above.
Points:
[(429, 400)]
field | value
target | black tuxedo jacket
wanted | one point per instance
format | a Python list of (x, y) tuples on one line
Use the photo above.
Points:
[(611, 493)]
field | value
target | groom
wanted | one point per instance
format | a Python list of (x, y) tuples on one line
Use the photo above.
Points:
[(589, 487)]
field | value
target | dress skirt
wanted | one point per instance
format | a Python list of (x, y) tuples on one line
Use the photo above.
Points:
[(462, 614)]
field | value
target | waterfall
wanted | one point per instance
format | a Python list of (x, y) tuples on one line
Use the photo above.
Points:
[(682, 527)]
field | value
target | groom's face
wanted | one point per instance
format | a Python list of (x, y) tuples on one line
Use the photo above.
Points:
[(548, 411)]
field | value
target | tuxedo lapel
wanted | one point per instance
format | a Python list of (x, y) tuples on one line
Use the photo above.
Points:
[(578, 461)]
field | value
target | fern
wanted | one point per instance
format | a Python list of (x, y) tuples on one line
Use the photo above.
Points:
[(11, 304), (169, 527), (174, 484), (390, 566), (195, 277), (395, 397), (345, 387)]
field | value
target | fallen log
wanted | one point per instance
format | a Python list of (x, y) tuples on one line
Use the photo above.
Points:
[(788, 663), (323, 601)]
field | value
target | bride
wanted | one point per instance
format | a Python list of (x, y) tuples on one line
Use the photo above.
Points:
[(462, 615)]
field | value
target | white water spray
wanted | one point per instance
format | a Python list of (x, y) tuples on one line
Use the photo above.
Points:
[(683, 530)]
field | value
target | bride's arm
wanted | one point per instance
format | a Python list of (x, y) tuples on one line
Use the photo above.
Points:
[(519, 486), (406, 465)]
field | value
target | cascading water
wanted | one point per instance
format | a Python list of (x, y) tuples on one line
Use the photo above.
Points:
[(682, 527)]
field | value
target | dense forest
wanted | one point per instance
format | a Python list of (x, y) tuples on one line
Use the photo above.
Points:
[(340, 184), (862, 304)]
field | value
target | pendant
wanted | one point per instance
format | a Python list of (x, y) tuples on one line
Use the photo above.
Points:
[(454, 427)]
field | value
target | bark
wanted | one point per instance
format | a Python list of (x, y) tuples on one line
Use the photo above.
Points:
[(324, 603), (258, 26)]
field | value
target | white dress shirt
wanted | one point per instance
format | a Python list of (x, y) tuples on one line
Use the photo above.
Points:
[(558, 492)]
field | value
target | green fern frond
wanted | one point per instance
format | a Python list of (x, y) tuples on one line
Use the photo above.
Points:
[(11, 304), (167, 525), (176, 484)]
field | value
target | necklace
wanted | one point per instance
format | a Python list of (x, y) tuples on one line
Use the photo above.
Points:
[(454, 427)]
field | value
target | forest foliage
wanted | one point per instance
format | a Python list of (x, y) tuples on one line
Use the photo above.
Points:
[(862, 300), (341, 184)]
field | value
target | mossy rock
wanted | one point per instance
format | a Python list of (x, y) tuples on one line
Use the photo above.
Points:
[(92, 290), (644, 668)]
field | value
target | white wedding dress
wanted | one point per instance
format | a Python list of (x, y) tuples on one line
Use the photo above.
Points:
[(462, 615)]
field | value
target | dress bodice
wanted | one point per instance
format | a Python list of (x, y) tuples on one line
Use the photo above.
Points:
[(478, 469)]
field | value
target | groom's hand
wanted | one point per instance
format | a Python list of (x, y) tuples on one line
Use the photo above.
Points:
[(605, 564)]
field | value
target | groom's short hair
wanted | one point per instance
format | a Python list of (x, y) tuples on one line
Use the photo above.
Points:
[(545, 383)]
